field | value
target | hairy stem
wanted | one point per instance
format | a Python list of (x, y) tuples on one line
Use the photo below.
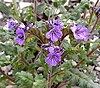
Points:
[(93, 50), (96, 3), (91, 15), (57, 73), (69, 32), (15, 9), (35, 11), (49, 76), (37, 37), (26, 63), (94, 25), (87, 55)]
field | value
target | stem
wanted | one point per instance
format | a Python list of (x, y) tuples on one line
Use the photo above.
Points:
[(61, 84), (87, 55), (15, 9), (11, 79), (96, 3), (21, 55), (37, 37), (35, 11), (57, 73), (90, 17), (39, 53), (79, 63), (93, 11), (84, 16), (66, 35), (94, 25), (49, 76), (93, 50)]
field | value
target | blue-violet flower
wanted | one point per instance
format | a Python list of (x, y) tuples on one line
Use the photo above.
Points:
[(54, 35), (11, 24), (29, 26), (20, 38), (56, 24), (54, 56), (56, 49), (80, 32), (53, 59)]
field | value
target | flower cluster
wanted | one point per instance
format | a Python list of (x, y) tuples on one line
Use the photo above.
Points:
[(20, 31), (54, 56), (55, 33), (55, 52), (80, 32)]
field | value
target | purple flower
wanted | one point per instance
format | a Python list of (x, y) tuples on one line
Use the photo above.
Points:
[(54, 35), (56, 24), (54, 56), (80, 32), (29, 26), (21, 26), (11, 24), (20, 38), (53, 59), (56, 49)]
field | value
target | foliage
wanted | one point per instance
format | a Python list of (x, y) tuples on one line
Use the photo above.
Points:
[(30, 67)]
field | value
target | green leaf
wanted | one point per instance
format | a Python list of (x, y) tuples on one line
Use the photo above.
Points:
[(2, 85), (75, 57), (39, 82), (84, 80), (48, 12), (55, 4), (4, 9), (40, 8), (20, 49), (24, 79), (8, 49), (65, 45)]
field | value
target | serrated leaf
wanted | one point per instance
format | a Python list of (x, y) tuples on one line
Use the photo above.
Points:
[(4, 9), (40, 8), (39, 82), (65, 45), (83, 78), (20, 49), (24, 79)]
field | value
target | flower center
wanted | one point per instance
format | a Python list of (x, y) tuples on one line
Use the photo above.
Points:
[(56, 24), (20, 36), (53, 57)]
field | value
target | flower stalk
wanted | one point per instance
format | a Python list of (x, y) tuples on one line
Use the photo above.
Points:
[(49, 76), (15, 10)]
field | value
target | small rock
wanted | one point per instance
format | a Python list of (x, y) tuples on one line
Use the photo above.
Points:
[(98, 59), (85, 71), (6, 68), (75, 87), (96, 80), (97, 68), (40, 69), (94, 72), (10, 86), (98, 63), (74, 63), (90, 68)]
